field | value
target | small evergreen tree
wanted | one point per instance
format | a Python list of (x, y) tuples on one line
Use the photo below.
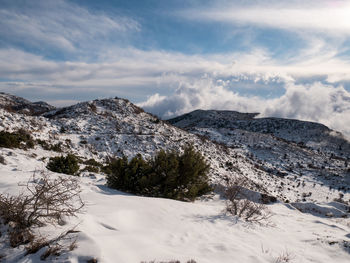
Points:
[(193, 173), (168, 174)]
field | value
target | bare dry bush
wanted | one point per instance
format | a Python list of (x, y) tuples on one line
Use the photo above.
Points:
[(36, 244), (171, 261), (2, 160), (239, 202), (45, 200), (284, 257), (48, 200), (52, 251), (19, 236), (55, 246)]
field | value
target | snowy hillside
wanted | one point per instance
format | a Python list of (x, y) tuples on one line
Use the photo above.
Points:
[(303, 153), (315, 135), (308, 174), (118, 227)]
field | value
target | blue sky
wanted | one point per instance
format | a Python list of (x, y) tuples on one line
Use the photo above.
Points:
[(281, 58)]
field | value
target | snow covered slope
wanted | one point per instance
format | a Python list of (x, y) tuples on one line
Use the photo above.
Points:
[(118, 227)]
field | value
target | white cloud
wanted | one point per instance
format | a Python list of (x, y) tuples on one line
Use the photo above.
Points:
[(48, 25), (324, 16)]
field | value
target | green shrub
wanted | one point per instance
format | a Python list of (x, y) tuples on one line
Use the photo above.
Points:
[(50, 147), (20, 139), (66, 165), (43, 144), (168, 174), (93, 162), (56, 147), (91, 169)]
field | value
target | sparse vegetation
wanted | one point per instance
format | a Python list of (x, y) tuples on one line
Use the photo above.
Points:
[(168, 174), (93, 162), (171, 261), (284, 257), (19, 139), (2, 160), (91, 169), (239, 202), (56, 147), (50, 147), (64, 164)]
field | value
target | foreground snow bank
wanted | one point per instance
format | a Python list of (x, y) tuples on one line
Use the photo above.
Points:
[(117, 227)]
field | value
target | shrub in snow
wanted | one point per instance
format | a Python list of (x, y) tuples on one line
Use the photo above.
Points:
[(93, 162), (284, 257), (45, 200), (171, 261), (91, 169), (20, 139), (169, 174), (2, 160), (239, 202), (64, 164), (56, 147)]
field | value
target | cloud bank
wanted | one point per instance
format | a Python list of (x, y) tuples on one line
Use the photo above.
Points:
[(317, 102)]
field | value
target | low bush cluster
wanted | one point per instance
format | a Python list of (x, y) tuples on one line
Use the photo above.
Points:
[(169, 174), (93, 162), (91, 169), (50, 147), (19, 139), (92, 166), (64, 164)]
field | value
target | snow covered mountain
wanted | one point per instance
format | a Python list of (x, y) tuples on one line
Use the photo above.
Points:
[(298, 151), (302, 163), (314, 135), (20, 105)]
